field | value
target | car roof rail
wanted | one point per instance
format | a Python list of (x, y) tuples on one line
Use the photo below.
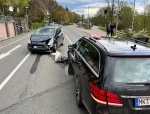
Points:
[(135, 40), (89, 38), (92, 39), (139, 42)]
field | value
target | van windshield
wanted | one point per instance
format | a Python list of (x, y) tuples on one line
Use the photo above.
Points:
[(132, 70)]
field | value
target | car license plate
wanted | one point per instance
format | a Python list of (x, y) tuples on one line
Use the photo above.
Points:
[(142, 101), (35, 47)]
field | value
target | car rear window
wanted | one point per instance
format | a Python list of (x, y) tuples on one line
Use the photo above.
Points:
[(132, 70), (44, 31)]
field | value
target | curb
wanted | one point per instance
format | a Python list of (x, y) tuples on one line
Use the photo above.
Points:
[(6, 38)]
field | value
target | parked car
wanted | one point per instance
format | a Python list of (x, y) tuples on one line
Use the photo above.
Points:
[(54, 24), (112, 76), (46, 39)]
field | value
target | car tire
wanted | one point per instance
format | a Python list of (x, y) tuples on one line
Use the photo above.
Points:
[(54, 47), (78, 92)]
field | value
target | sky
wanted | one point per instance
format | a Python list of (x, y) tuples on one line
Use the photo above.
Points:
[(90, 7)]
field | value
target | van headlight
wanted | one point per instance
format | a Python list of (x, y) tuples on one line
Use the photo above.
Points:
[(50, 43), (29, 41)]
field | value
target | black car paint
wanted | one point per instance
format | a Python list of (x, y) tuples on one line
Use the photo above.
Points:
[(128, 92), (40, 38), (42, 41)]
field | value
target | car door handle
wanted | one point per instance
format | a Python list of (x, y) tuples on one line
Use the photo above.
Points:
[(79, 65)]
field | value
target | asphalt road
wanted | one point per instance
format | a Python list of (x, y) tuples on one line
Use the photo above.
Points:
[(35, 83)]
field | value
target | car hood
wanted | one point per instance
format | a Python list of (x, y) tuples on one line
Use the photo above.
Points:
[(40, 38)]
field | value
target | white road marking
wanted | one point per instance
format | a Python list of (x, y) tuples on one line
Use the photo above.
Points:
[(14, 42), (68, 39), (13, 72), (9, 52)]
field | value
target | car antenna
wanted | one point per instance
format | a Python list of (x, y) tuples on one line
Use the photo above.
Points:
[(134, 47)]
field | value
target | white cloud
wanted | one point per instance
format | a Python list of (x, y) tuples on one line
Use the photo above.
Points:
[(90, 9), (78, 1), (139, 7), (81, 6), (93, 8)]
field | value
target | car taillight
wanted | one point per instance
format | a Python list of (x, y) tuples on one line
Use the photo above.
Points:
[(104, 97)]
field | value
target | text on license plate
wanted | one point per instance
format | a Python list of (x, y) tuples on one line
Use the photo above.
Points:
[(37, 46), (142, 101)]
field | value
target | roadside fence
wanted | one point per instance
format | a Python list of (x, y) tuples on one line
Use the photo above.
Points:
[(4, 18)]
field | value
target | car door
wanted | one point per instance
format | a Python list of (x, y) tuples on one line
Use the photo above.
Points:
[(74, 57), (89, 72)]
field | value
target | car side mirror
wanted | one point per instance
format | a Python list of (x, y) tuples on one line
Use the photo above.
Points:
[(70, 47)]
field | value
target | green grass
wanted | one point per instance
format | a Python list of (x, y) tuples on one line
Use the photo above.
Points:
[(86, 27), (103, 29), (36, 25)]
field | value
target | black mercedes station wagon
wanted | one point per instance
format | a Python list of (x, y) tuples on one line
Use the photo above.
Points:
[(112, 75), (46, 39)]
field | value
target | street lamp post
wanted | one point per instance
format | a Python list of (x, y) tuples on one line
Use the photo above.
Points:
[(27, 18)]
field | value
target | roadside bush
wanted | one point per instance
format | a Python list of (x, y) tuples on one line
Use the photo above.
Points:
[(128, 33), (86, 27), (36, 25), (103, 29), (141, 34)]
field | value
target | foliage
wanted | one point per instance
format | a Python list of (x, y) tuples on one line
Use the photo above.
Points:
[(141, 34), (132, 34), (103, 29), (126, 14), (99, 18), (66, 17), (128, 33), (36, 25), (58, 14), (67, 9), (86, 27), (70, 17), (19, 3), (37, 10)]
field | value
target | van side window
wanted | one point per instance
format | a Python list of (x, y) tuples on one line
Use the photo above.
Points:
[(93, 59), (84, 47), (78, 43)]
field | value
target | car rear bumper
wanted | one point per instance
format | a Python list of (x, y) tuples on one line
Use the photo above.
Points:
[(119, 110)]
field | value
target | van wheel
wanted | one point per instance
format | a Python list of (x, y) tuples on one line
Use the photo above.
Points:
[(78, 92)]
